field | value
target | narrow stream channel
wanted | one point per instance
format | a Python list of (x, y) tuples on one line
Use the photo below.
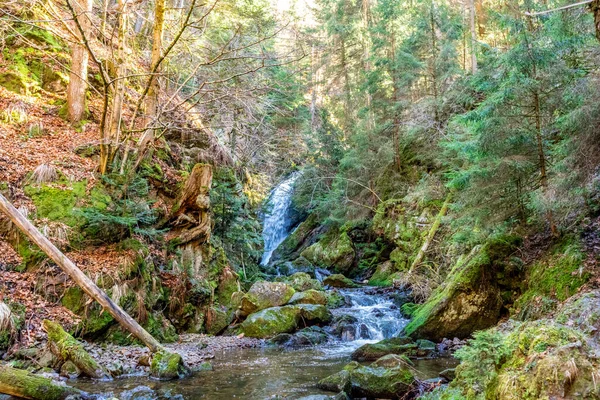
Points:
[(282, 373)]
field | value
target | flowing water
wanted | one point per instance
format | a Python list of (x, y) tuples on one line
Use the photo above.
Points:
[(368, 316), (277, 223), (276, 373)]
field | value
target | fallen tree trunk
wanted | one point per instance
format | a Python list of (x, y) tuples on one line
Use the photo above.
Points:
[(22, 384), (432, 231), (88, 285), (65, 347)]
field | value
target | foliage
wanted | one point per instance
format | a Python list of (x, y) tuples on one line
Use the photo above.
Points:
[(236, 227), (118, 210)]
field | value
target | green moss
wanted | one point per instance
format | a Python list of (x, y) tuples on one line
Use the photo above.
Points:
[(462, 290), (57, 203), (95, 322), (332, 251), (166, 366), (408, 309), (552, 280), (272, 321)]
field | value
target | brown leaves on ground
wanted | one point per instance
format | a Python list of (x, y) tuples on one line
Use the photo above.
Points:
[(20, 288), (23, 147)]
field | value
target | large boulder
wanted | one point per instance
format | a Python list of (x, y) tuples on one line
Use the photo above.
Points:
[(339, 281), (301, 281), (313, 314), (264, 295), (336, 252), (310, 296), (390, 377), (374, 351), (470, 298), (271, 321), (275, 320)]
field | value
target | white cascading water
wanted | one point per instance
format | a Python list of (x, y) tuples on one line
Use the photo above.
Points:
[(276, 223)]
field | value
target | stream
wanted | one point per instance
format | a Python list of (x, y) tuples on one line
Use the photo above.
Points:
[(274, 372)]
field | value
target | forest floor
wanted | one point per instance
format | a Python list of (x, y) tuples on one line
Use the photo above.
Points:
[(194, 348)]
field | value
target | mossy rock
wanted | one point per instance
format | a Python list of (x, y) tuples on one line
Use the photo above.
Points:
[(332, 252), (339, 382), (310, 296), (167, 366), (551, 280), (339, 281), (469, 299), (383, 275), (228, 284), (335, 299), (271, 321), (314, 314), (533, 360), (388, 378), (95, 322), (302, 281), (13, 82), (218, 319), (374, 351), (297, 239), (264, 295)]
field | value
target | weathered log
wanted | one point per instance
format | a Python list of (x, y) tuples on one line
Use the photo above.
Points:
[(195, 194), (81, 279), (432, 231), (65, 347), (22, 384)]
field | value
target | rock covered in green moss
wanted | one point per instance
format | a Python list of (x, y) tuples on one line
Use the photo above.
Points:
[(541, 359), (271, 321), (310, 296), (336, 252), (218, 319), (314, 314), (264, 295), (390, 377), (275, 320), (340, 381), (228, 285), (339, 281), (374, 351), (552, 279), (383, 275), (470, 298), (301, 281), (167, 366)]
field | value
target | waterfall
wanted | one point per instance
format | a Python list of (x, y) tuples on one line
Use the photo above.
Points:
[(277, 223)]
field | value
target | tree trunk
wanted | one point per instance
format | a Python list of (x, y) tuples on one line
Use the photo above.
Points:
[(110, 136), (79, 277), (157, 38), (66, 348), (25, 385), (79, 65), (473, 36), (432, 231)]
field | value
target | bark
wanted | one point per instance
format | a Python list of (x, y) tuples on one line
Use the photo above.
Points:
[(595, 7), (110, 137), (432, 231), (397, 120), (190, 219), (79, 65), (66, 348), (25, 385), (157, 39), (473, 36), (77, 275)]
